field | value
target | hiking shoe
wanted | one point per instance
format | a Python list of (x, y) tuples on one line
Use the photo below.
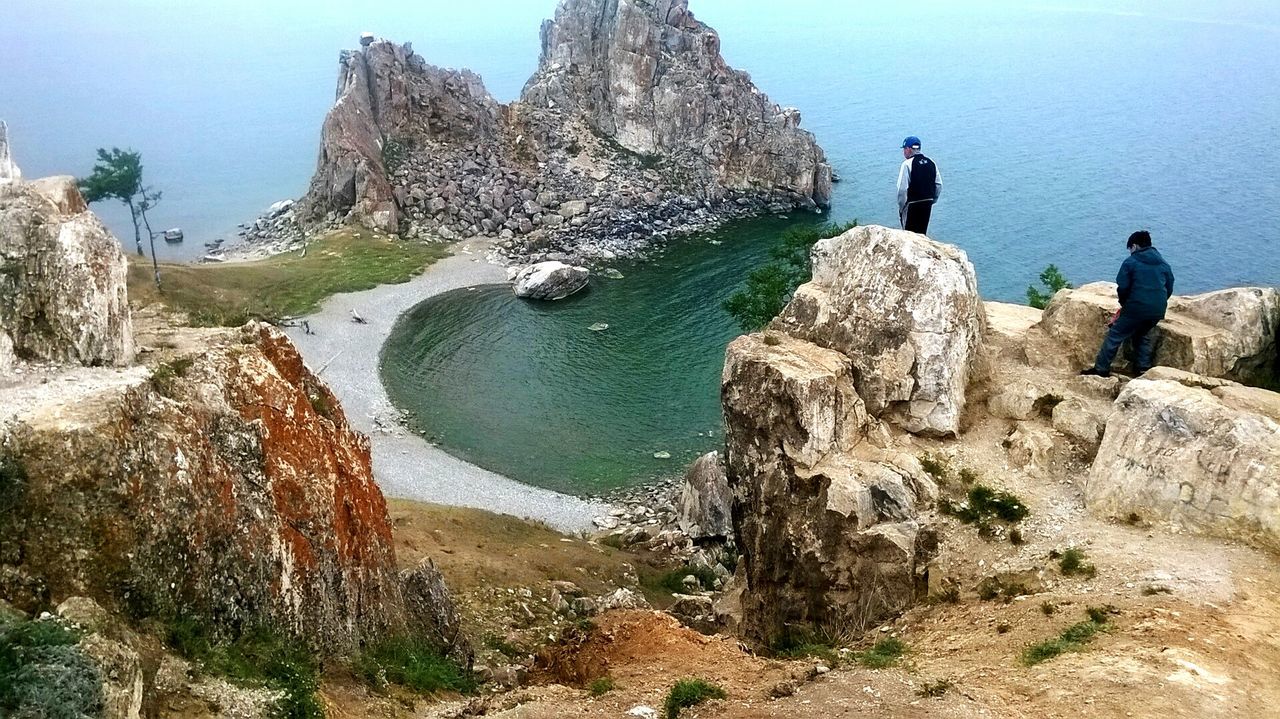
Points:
[(1094, 372)]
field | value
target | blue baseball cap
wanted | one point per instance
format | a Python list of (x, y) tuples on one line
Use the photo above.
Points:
[(912, 141)]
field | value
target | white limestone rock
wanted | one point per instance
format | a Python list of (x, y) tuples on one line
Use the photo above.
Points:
[(1206, 461), (905, 310), (550, 281), (9, 171), (704, 504)]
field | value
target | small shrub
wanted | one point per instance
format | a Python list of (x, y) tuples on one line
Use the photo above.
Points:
[(1154, 590), (936, 467), (884, 653), (1133, 519), (602, 686), (993, 588), (414, 664), (504, 647), (1073, 638), (1048, 608), (687, 693), (946, 595), (1016, 538), (933, 690), (800, 643), (1100, 615), (393, 156), (44, 674), (968, 477), (673, 581), (1003, 628), (166, 375), (1073, 563), (1052, 280)]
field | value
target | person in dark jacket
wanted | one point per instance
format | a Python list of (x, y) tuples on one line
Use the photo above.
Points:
[(919, 186), (1145, 284)]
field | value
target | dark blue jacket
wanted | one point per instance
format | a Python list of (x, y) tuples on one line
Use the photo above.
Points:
[(1145, 284)]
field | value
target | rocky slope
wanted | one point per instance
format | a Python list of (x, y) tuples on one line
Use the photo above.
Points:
[(632, 129)]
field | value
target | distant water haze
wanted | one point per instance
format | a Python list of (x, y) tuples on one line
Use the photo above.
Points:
[(1059, 127)]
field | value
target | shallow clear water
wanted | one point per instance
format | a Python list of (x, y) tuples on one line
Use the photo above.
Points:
[(528, 390)]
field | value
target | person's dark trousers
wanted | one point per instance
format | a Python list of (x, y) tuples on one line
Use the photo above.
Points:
[(1139, 331), (916, 217)]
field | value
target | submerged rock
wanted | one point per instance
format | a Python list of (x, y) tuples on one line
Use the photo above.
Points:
[(63, 295), (550, 281), (905, 310), (1201, 459)]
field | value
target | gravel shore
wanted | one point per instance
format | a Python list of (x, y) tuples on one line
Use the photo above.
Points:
[(345, 354)]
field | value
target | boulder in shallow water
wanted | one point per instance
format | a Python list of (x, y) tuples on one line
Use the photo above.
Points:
[(905, 310), (1204, 460), (550, 281), (703, 506)]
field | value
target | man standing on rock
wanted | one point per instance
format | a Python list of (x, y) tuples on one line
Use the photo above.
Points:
[(1145, 284), (919, 186)]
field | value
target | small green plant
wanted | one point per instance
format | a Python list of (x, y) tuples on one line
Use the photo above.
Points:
[(1073, 563), (1048, 608), (1016, 538), (884, 653), (946, 595), (414, 664), (1052, 280), (935, 466), (992, 588), (798, 644), (321, 404), (688, 693), (673, 581), (601, 686), (984, 504), (968, 477), (166, 375), (393, 155), (935, 689), (43, 673), (1004, 628), (1073, 638), (504, 647), (258, 655)]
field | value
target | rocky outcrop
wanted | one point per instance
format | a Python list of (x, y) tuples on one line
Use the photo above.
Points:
[(828, 526), (1204, 460), (62, 279), (223, 484), (632, 130), (1229, 333), (9, 171), (550, 281), (905, 311), (649, 76), (704, 505)]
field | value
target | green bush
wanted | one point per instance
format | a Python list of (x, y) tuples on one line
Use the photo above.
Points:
[(884, 653), (414, 664), (44, 674), (690, 692), (673, 581), (602, 686), (984, 505), (1073, 563), (1052, 280), (769, 288), (258, 655)]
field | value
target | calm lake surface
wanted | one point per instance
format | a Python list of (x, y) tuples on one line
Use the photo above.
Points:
[(1059, 128)]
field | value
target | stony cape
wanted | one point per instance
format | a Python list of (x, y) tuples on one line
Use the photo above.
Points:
[(632, 128)]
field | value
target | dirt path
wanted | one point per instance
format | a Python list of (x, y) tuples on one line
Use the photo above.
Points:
[(346, 355)]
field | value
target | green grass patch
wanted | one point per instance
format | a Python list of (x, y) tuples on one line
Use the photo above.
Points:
[(1073, 563), (44, 674), (258, 656), (673, 581), (233, 293), (414, 664), (983, 506), (688, 693), (935, 466), (1072, 639), (602, 686), (883, 654)]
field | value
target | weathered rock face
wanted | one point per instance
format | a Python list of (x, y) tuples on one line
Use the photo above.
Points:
[(62, 279), (704, 507), (1204, 460), (9, 171), (550, 281), (632, 130), (905, 310), (649, 76), (828, 529), (224, 485), (1230, 333)]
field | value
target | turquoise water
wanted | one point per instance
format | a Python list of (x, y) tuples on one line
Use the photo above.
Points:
[(528, 390)]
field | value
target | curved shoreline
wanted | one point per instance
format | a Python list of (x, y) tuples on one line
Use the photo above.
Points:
[(345, 355)]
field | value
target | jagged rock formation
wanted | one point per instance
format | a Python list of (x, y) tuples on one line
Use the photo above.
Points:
[(1229, 333), (827, 525), (550, 281), (9, 171), (632, 129), (650, 77), (1200, 455), (224, 484), (704, 505), (905, 310), (62, 279)]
